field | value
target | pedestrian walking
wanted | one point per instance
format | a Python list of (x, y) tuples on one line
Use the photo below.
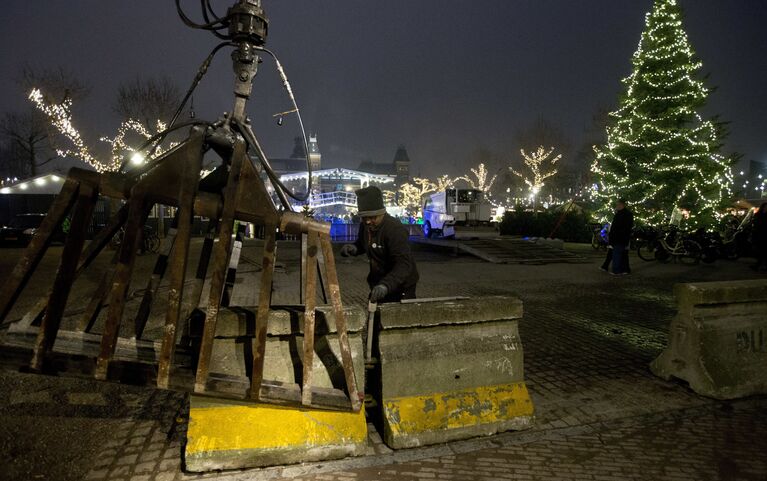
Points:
[(609, 259), (759, 237), (619, 238)]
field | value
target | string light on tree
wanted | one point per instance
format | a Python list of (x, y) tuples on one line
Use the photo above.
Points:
[(444, 182), (389, 197), (541, 166), (60, 116), (409, 198), (424, 185), (481, 180), (411, 195), (661, 155)]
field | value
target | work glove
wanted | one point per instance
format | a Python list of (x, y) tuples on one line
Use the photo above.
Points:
[(378, 293), (348, 250)]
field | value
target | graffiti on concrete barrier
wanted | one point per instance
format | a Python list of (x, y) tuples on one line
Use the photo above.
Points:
[(502, 364), (751, 341)]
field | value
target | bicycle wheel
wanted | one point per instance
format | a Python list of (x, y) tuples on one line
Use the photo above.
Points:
[(117, 239), (595, 241), (646, 251), (730, 251), (691, 252), (153, 243), (709, 254), (662, 255)]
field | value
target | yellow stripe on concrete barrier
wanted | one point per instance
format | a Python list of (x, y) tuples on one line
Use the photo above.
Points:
[(416, 420), (224, 435)]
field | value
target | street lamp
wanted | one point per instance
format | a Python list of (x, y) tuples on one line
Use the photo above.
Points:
[(137, 158)]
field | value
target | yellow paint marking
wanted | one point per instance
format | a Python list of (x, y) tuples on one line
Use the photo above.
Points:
[(457, 409), (271, 427)]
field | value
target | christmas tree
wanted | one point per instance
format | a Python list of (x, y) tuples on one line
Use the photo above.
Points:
[(661, 155)]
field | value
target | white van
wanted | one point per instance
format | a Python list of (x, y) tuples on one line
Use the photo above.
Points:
[(442, 211)]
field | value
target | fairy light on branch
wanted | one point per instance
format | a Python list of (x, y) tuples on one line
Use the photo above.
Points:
[(60, 116), (444, 182), (409, 198), (120, 147), (541, 166), (481, 179)]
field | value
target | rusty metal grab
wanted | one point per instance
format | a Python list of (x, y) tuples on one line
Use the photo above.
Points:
[(173, 179)]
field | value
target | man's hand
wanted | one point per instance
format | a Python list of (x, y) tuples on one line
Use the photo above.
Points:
[(348, 250), (378, 293)]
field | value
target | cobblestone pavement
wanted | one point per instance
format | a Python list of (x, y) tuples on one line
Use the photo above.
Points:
[(588, 339)]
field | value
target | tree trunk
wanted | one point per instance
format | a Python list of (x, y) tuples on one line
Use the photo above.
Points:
[(32, 160)]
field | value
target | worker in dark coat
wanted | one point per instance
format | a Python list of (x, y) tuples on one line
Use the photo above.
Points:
[(393, 275), (620, 237), (759, 237)]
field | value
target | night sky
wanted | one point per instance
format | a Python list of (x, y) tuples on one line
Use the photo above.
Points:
[(445, 78)]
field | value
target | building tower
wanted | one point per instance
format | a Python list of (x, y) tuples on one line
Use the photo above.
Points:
[(315, 157), (401, 166)]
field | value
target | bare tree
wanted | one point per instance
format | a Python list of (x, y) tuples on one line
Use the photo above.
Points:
[(30, 142), (28, 134), (11, 162), (57, 83), (542, 132), (147, 100)]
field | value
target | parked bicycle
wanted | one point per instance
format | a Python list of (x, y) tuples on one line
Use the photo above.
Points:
[(669, 243), (599, 238), (736, 236), (150, 241)]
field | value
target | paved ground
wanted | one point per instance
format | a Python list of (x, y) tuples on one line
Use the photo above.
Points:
[(588, 338)]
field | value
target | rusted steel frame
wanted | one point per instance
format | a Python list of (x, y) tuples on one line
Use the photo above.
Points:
[(322, 276), (253, 142), (34, 252), (94, 248), (178, 260), (99, 297), (302, 273), (202, 271), (262, 315), (320, 273), (296, 223), (310, 305), (160, 266), (137, 214), (234, 261), (338, 312), (103, 238), (221, 253), (86, 201)]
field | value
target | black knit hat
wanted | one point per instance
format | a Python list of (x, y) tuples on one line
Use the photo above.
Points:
[(370, 202)]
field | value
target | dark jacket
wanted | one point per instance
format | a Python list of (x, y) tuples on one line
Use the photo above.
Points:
[(620, 230), (391, 262), (759, 228)]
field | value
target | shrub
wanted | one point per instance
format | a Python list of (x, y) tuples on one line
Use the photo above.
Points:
[(574, 227)]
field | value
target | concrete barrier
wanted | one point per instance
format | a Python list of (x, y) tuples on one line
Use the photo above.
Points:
[(225, 434), (451, 370), (718, 339)]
